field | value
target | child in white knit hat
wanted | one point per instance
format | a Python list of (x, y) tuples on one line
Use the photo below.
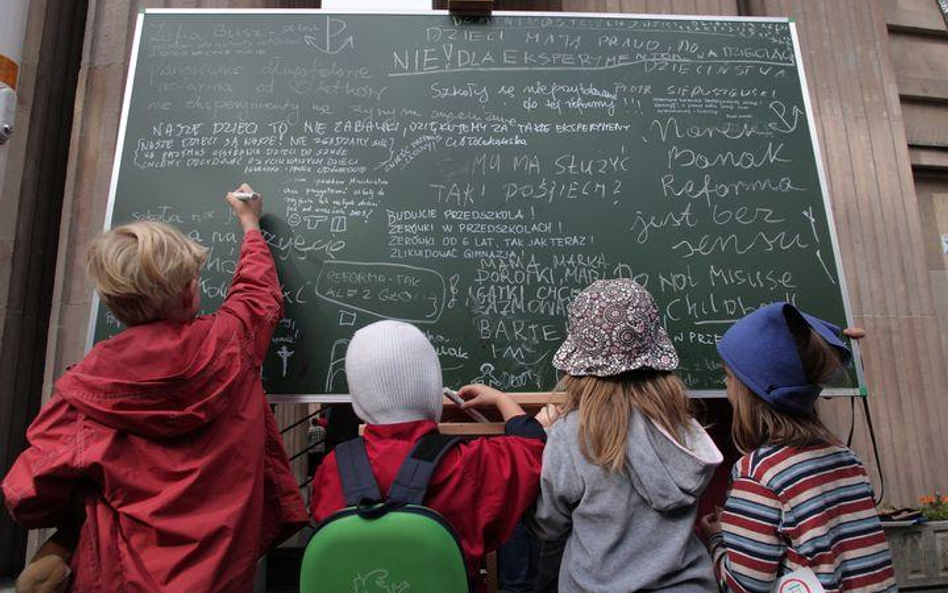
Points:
[(481, 487)]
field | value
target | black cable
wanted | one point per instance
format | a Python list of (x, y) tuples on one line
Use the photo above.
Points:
[(872, 440), (875, 449), (852, 422)]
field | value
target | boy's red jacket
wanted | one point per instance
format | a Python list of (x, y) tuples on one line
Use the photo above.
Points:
[(481, 487), (162, 435)]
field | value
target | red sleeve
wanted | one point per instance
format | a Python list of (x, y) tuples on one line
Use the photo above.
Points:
[(506, 472), (38, 488), (326, 495), (255, 298), (287, 511)]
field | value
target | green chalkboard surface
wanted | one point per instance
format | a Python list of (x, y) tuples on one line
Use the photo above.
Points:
[(471, 175)]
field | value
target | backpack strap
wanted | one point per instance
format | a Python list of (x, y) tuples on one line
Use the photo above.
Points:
[(411, 483), (355, 472)]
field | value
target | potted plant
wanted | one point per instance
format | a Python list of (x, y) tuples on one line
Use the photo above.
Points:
[(934, 507), (920, 546)]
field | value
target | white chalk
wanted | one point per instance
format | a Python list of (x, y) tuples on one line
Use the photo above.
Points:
[(453, 396), (245, 196)]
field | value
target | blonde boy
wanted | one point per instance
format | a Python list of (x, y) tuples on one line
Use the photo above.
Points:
[(160, 443)]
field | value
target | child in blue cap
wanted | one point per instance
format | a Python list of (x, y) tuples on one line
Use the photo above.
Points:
[(800, 502)]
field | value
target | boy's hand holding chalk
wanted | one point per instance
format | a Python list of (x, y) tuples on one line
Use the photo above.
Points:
[(475, 395), (247, 206), (453, 396)]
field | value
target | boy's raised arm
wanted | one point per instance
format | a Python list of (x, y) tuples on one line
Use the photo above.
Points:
[(506, 470), (255, 297)]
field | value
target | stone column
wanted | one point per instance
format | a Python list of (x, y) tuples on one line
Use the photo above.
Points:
[(31, 205)]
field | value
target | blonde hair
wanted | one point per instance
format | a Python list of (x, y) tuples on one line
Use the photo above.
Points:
[(605, 406), (140, 270), (756, 423)]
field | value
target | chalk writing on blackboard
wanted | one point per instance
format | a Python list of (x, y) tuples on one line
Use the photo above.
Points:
[(471, 175)]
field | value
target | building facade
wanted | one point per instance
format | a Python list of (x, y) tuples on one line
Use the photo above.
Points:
[(878, 78)]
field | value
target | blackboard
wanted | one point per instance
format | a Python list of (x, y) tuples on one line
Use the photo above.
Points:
[(471, 175)]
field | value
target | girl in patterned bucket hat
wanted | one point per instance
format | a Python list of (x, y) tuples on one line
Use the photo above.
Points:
[(625, 464)]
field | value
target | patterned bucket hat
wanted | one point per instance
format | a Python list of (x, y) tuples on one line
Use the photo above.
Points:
[(614, 327)]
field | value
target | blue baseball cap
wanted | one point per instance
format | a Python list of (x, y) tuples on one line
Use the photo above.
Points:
[(760, 351)]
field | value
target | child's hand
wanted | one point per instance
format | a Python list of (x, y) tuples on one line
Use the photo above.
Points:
[(548, 415), (246, 211), (710, 524), (49, 574), (477, 395), (856, 333), (482, 395)]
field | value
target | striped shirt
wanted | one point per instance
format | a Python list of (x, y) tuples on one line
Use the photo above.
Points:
[(790, 508)]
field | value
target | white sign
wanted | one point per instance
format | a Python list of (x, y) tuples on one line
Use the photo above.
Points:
[(799, 581)]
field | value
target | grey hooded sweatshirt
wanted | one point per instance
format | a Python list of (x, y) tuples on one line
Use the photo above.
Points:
[(631, 531)]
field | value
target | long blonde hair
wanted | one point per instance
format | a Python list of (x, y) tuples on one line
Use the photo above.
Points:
[(756, 423), (605, 406)]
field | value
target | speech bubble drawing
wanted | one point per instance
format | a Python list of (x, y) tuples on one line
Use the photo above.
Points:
[(390, 291)]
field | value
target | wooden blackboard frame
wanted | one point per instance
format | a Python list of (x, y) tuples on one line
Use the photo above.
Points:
[(859, 390)]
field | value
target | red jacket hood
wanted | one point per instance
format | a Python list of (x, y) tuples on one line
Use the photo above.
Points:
[(156, 380)]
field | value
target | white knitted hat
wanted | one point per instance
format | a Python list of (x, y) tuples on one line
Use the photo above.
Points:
[(393, 374)]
